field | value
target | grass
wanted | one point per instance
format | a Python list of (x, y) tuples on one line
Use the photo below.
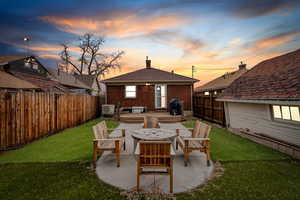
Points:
[(73, 144), (226, 146), (56, 168), (45, 181), (256, 180)]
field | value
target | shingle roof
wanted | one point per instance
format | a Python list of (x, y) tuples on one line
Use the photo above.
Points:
[(43, 82), (276, 78), (86, 79), (9, 81), (68, 79), (149, 75), (221, 82)]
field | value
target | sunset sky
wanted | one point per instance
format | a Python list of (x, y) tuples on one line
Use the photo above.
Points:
[(213, 35)]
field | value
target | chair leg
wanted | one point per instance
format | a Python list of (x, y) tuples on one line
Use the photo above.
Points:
[(208, 157), (171, 180), (117, 152), (138, 180), (95, 154), (186, 157)]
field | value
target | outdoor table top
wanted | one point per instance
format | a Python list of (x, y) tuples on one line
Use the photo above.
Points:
[(153, 134)]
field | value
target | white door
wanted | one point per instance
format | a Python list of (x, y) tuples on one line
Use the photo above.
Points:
[(160, 96)]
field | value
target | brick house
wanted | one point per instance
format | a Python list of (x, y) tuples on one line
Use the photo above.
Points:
[(149, 87)]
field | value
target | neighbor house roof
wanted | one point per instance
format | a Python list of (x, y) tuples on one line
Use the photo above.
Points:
[(149, 75), (273, 79), (221, 82), (68, 79), (86, 79), (9, 81), (43, 82)]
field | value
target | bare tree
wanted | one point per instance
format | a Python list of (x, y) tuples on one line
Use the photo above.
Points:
[(90, 61)]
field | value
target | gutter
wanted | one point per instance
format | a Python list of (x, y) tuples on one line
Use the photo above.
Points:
[(278, 101)]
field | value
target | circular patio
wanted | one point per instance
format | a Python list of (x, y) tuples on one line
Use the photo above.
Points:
[(124, 177)]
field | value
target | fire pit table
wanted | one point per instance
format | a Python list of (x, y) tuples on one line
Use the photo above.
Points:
[(153, 134)]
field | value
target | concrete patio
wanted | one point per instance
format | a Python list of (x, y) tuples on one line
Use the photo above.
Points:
[(124, 177)]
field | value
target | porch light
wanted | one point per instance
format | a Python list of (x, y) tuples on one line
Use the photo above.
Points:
[(147, 84)]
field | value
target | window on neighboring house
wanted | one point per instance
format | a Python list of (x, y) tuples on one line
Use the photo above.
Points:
[(130, 91), (206, 93), (289, 113)]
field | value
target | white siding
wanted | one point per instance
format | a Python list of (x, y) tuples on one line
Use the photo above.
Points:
[(257, 118)]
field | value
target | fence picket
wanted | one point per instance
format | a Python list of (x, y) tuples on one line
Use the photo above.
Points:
[(26, 116)]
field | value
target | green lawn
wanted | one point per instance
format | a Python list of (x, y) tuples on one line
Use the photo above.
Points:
[(73, 144), (226, 146), (255, 180), (57, 168), (53, 181)]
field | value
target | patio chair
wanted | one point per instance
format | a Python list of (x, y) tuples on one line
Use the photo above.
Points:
[(102, 142), (151, 122), (198, 142), (155, 157)]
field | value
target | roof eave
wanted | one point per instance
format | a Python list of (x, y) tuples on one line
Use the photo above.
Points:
[(150, 81), (278, 101)]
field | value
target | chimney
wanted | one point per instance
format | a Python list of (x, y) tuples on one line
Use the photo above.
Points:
[(242, 66), (148, 63)]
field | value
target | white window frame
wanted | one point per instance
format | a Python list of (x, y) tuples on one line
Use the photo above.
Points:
[(130, 97), (281, 119), (155, 96)]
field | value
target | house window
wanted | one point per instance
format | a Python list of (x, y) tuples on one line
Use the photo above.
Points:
[(289, 113), (130, 91)]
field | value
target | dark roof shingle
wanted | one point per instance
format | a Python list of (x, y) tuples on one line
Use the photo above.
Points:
[(275, 78), (68, 79), (43, 82), (9, 81), (221, 82), (149, 75)]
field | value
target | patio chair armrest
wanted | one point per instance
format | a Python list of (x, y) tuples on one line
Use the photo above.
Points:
[(122, 129), (196, 139), (184, 129), (106, 139)]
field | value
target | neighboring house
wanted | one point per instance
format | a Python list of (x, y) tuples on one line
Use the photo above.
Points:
[(70, 81), (28, 69), (91, 82), (149, 87), (266, 99), (216, 86), (9, 82)]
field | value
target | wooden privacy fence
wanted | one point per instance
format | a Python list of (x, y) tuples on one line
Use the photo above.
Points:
[(206, 107), (27, 116)]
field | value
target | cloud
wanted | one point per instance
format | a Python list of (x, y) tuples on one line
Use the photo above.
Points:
[(122, 25), (257, 8), (268, 43), (189, 45), (235, 41), (276, 40)]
